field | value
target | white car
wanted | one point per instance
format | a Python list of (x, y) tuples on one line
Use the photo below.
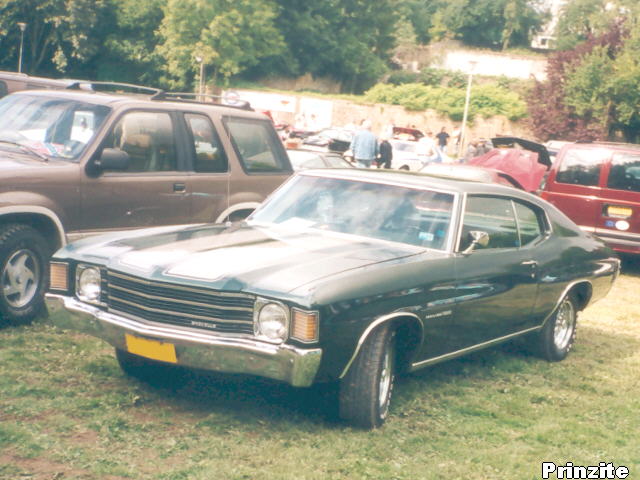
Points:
[(407, 155)]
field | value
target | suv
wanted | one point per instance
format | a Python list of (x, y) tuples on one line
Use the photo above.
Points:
[(598, 186), (74, 163)]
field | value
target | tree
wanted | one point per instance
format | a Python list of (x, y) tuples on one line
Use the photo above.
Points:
[(129, 53), (491, 23), (229, 36), (584, 19), (575, 102), (61, 35)]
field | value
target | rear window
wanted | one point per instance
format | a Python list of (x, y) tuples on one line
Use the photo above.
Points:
[(582, 166), (625, 172), (257, 145)]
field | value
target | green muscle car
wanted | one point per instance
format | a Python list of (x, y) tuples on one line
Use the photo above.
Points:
[(341, 275)]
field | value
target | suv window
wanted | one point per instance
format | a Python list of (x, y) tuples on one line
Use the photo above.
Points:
[(209, 154), (148, 139), (257, 145), (494, 216), (625, 172), (582, 167)]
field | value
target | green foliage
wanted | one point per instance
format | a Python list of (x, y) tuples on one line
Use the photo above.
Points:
[(486, 100), (228, 35)]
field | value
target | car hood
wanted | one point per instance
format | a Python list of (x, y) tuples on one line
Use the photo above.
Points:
[(245, 258)]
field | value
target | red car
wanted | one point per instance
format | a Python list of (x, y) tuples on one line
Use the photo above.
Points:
[(597, 185)]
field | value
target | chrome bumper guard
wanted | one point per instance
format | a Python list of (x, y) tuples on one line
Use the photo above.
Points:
[(194, 349)]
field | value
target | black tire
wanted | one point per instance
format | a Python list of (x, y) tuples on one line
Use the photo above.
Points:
[(24, 273), (555, 340), (365, 391)]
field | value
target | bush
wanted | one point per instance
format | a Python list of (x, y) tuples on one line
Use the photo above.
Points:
[(486, 100)]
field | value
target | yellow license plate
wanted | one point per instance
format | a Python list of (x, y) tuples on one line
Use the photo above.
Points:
[(153, 349), (623, 212)]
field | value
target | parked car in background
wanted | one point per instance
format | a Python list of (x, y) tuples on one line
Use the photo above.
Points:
[(329, 140), (303, 159), (524, 161), (407, 155), (343, 275), (76, 162), (598, 186)]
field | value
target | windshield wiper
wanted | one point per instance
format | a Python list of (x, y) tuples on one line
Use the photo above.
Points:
[(27, 148)]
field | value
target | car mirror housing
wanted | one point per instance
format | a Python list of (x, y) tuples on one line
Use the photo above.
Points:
[(113, 159)]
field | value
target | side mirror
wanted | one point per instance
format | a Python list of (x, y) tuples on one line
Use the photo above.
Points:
[(478, 237), (113, 159)]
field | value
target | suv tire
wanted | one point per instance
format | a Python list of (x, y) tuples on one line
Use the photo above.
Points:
[(24, 272)]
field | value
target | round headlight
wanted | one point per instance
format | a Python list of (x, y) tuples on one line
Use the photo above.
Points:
[(88, 284), (272, 323)]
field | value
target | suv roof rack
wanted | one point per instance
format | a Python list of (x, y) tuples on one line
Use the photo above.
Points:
[(113, 87), (191, 97)]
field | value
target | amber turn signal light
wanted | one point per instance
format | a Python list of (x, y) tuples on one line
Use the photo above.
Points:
[(304, 326), (58, 276)]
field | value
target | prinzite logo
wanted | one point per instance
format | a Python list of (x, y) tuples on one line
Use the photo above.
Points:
[(571, 471)]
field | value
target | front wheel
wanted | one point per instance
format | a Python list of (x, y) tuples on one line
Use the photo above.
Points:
[(23, 272), (556, 338), (365, 391)]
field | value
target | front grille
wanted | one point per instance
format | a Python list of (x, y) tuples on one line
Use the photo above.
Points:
[(224, 312)]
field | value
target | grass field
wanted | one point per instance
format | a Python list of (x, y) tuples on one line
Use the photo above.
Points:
[(68, 412)]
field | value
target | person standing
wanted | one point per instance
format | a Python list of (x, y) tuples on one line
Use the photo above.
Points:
[(364, 146), (386, 154), (443, 138)]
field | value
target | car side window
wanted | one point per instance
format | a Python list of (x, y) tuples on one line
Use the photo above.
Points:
[(149, 140), (209, 154), (3, 89), (257, 145), (494, 216), (625, 172), (529, 223), (582, 167)]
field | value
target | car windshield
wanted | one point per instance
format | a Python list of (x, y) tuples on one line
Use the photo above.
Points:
[(374, 210), (48, 126)]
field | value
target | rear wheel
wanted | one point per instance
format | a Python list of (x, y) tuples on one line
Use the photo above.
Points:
[(555, 340), (365, 391), (24, 271)]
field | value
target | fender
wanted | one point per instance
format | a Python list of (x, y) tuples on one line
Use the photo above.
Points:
[(37, 210), (376, 323)]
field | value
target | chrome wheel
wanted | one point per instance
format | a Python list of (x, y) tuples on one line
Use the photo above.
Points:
[(564, 325), (20, 277), (386, 381)]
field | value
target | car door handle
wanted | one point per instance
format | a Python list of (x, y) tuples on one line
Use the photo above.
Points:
[(533, 267), (179, 187)]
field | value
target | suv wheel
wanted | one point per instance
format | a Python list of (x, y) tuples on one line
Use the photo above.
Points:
[(23, 272)]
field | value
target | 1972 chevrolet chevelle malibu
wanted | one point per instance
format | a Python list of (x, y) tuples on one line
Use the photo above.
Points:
[(342, 275)]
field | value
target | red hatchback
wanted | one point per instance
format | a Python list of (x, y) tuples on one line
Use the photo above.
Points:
[(598, 186)]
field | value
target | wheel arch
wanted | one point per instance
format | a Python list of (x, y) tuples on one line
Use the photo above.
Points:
[(41, 219), (582, 292), (409, 335)]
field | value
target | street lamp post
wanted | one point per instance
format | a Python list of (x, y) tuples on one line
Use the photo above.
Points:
[(463, 132), (22, 26), (200, 60)]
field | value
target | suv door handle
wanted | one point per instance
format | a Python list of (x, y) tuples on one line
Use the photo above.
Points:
[(179, 187)]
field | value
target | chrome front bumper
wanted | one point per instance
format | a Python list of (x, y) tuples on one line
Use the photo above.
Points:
[(194, 349)]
